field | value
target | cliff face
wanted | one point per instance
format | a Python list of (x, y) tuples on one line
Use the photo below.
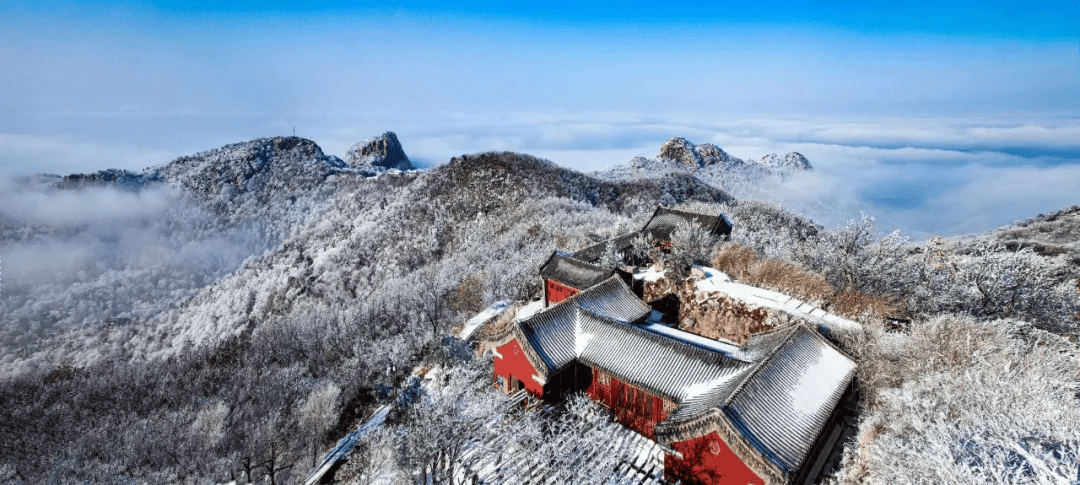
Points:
[(383, 152)]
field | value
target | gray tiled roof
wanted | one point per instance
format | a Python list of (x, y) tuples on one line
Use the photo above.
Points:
[(573, 272), (783, 406), (612, 299), (552, 334), (555, 332), (663, 366), (660, 365), (665, 220), (755, 351), (595, 253)]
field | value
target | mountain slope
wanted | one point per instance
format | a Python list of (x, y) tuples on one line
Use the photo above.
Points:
[(333, 235), (1050, 234), (272, 181), (489, 180)]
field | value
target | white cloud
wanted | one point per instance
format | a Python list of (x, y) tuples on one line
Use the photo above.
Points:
[(80, 207), (25, 154)]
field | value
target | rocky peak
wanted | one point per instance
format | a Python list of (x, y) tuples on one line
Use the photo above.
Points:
[(695, 156), (712, 155), (685, 153), (379, 153), (680, 150), (787, 161)]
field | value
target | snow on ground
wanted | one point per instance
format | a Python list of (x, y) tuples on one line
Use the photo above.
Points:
[(346, 445), (524, 312), (713, 274), (474, 323), (649, 274), (529, 310), (716, 280)]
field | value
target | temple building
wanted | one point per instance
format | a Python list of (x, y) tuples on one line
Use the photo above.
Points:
[(726, 413)]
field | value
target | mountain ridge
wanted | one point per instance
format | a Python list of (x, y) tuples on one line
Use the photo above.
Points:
[(706, 155)]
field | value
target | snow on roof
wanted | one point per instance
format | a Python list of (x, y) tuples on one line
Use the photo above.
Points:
[(725, 347), (572, 272), (664, 221), (783, 407), (612, 299), (596, 252), (554, 333)]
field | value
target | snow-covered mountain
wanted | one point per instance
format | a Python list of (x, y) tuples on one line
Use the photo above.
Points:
[(198, 320), (243, 233), (790, 161), (709, 156), (713, 166), (115, 178)]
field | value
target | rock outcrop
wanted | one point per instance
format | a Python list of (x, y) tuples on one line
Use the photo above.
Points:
[(787, 162), (694, 156), (716, 316), (710, 314), (712, 155), (680, 150), (706, 155), (383, 152)]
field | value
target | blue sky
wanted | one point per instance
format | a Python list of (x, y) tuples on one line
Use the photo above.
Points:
[(923, 99)]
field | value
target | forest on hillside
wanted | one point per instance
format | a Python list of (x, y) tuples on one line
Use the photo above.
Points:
[(279, 307)]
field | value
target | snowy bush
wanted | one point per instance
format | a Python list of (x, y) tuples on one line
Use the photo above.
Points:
[(961, 401)]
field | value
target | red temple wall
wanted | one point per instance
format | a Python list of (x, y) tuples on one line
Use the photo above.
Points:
[(510, 361), (637, 409), (708, 460), (556, 292)]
